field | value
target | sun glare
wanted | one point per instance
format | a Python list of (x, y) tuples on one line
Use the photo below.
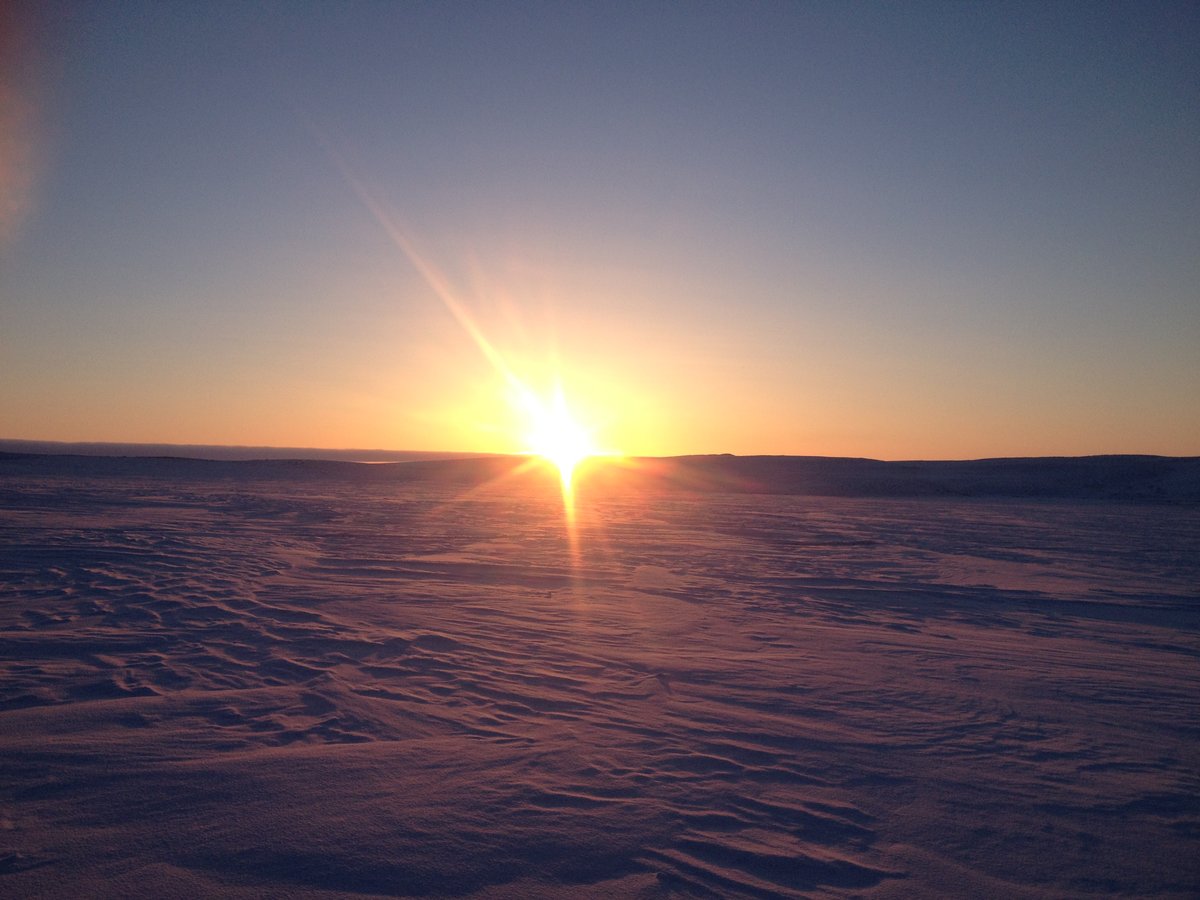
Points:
[(556, 435), (550, 430)]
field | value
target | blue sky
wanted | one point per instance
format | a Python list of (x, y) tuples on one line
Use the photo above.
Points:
[(893, 230)]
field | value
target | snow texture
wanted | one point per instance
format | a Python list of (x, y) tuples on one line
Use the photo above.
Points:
[(321, 679)]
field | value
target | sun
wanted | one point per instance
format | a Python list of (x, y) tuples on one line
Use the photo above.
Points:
[(556, 435)]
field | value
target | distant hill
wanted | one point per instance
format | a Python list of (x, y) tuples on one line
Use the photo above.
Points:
[(1125, 478), (217, 451), (1142, 478)]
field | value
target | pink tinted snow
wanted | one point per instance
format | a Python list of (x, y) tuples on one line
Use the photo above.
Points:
[(316, 685)]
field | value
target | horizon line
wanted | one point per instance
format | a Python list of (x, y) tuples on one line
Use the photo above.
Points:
[(355, 454)]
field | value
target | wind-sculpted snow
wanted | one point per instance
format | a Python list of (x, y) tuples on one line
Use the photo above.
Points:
[(268, 686)]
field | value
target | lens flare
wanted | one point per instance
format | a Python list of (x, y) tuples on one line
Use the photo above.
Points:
[(555, 434)]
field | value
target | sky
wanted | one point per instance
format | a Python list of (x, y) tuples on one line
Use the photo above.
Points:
[(894, 230)]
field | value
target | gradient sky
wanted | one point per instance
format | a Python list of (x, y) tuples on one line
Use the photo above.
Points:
[(895, 230)]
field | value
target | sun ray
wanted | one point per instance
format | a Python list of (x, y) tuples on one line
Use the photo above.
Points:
[(552, 431), (555, 434)]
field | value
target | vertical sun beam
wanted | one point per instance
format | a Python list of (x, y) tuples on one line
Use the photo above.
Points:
[(556, 435)]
